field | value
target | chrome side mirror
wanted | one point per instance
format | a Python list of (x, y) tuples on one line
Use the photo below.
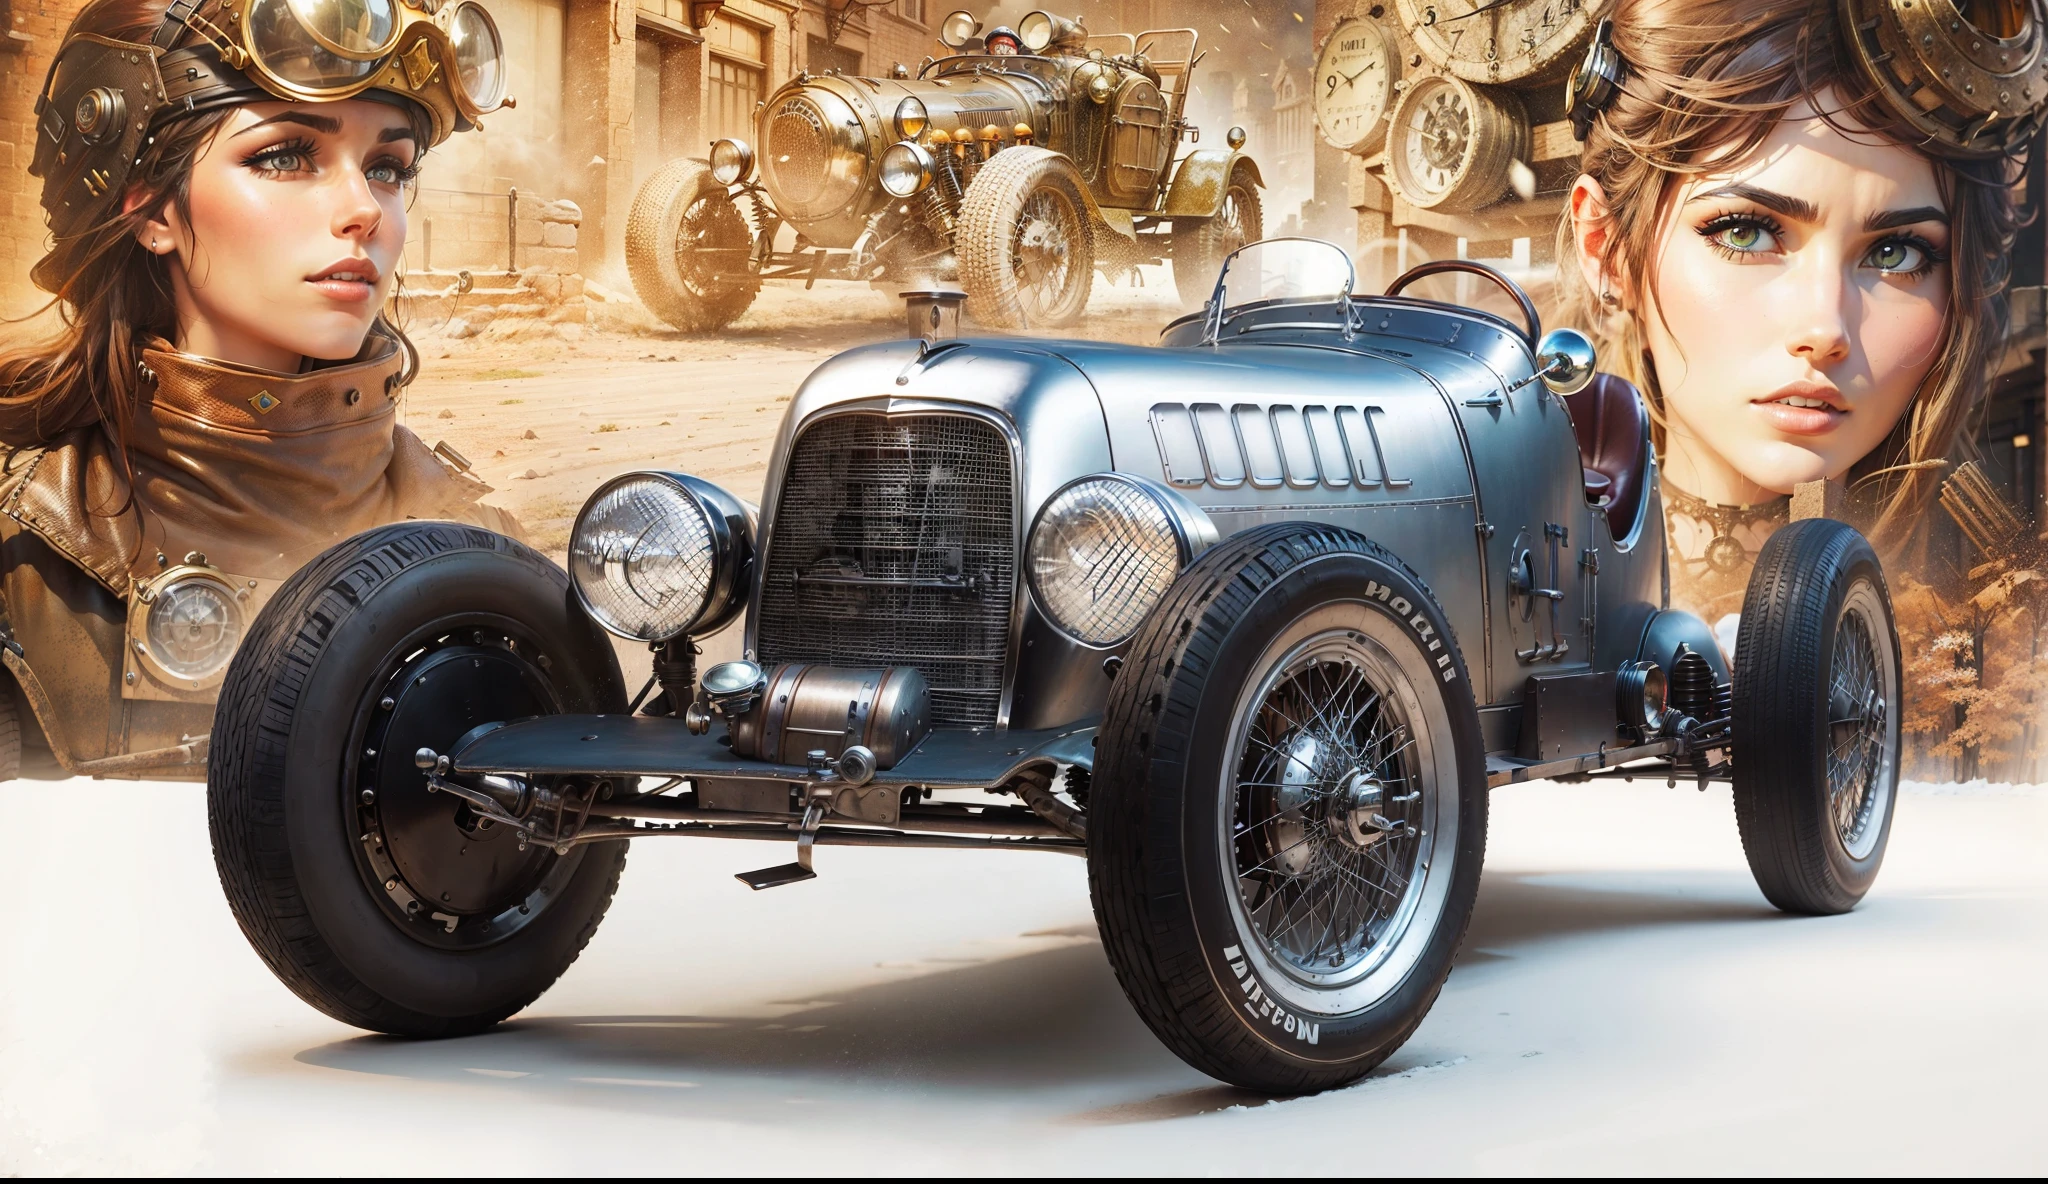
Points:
[(1564, 360)]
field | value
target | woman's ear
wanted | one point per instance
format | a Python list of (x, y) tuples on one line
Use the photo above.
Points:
[(155, 235), (1591, 224)]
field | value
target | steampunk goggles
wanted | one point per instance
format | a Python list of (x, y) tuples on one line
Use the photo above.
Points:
[(1969, 78), (103, 96)]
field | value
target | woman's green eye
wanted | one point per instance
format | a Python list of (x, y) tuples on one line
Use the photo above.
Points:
[(1897, 257), (1743, 238)]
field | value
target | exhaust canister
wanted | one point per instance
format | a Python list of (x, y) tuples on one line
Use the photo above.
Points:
[(807, 707)]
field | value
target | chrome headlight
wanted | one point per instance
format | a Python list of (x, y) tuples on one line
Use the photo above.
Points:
[(195, 622), (957, 28), (731, 161), (906, 168), (657, 555), (1104, 550), (912, 118)]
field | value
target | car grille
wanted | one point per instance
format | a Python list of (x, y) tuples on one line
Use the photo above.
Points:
[(894, 543), (799, 150)]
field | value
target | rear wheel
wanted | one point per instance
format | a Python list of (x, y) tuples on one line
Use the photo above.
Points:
[(1027, 257), (1201, 244), (688, 247), (377, 901), (1289, 814), (1816, 718)]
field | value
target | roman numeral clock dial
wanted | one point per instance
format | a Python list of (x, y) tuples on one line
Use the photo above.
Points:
[(1500, 41), (1353, 83)]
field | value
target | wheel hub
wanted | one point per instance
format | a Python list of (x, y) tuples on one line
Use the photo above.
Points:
[(1355, 816)]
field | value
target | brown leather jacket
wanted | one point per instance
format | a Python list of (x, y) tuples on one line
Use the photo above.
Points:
[(234, 478)]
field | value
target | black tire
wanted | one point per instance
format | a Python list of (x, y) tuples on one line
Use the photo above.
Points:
[(1816, 720), (329, 845), (1027, 253), (687, 248), (1201, 244), (1169, 885)]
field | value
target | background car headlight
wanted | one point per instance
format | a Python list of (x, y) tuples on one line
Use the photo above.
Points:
[(1105, 549), (912, 118), (957, 28), (1036, 30), (731, 161), (657, 555), (906, 169), (194, 624)]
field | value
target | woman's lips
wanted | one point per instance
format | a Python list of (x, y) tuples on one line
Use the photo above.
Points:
[(1801, 412), (346, 285)]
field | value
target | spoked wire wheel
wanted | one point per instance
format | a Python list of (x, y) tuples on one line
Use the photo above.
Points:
[(1027, 256), (1044, 250), (688, 249), (1861, 691), (1816, 719), (1331, 796)]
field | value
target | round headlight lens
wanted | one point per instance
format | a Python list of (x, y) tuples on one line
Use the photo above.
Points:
[(479, 55), (957, 28), (643, 558), (1036, 29), (906, 169), (1102, 553), (193, 627), (912, 118), (731, 161)]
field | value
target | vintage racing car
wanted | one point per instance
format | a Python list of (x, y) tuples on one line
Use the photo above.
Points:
[(1015, 176), (1254, 620)]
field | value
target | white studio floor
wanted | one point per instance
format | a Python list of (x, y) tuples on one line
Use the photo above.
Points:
[(1626, 1003)]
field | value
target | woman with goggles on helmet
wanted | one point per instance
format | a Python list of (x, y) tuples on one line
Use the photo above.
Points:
[(225, 183)]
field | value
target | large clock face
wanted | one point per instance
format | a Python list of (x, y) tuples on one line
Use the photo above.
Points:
[(1501, 40), (1354, 77)]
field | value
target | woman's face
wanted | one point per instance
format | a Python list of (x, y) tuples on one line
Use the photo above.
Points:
[(1798, 299), (297, 225)]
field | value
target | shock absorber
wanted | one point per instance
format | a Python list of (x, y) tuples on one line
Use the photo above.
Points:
[(942, 196), (1694, 691)]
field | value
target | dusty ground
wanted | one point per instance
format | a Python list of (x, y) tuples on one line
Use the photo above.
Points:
[(631, 394), (1625, 1004)]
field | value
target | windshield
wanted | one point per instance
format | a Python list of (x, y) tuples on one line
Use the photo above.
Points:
[(1301, 270)]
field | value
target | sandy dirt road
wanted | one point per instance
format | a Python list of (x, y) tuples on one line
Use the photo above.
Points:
[(1625, 1003), (615, 401)]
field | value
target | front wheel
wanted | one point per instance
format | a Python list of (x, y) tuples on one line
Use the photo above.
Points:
[(1027, 256), (1289, 810), (381, 903), (1816, 718), (687, 249)]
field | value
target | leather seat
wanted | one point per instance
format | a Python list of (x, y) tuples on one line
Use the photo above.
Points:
[(1614, 447)]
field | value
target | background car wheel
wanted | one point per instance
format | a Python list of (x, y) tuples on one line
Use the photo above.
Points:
[(1027, 257), (1816, 718), (1201, 244), (1288, 814), (687, 247), (383, 905)]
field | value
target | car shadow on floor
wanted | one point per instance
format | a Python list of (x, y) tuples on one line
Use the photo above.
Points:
[(1046, 1034)]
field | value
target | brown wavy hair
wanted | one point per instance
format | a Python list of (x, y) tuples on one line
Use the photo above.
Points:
[(113, 296), (1707, 82)]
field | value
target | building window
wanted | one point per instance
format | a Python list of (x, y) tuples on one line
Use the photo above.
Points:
[(736, 88), (911, 10), (825, 57), (737, 77)]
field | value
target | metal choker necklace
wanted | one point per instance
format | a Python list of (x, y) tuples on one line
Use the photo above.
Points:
[(1726, 554)]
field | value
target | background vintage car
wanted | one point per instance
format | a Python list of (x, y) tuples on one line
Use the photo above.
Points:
[(1014, 176)]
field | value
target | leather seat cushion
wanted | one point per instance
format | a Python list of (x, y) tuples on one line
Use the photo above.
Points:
[(1612, 427)]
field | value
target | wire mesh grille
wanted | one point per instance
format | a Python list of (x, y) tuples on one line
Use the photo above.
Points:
[(799, 150), (894, 544)]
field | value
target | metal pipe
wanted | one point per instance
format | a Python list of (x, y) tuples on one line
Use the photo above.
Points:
[(512, 230), (834, 836), (913, 821)]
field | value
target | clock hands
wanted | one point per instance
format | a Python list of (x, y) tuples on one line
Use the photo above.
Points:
[(1330, 83), (1489, 6)]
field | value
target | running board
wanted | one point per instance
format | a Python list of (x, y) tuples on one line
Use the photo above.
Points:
[(798, 872)]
